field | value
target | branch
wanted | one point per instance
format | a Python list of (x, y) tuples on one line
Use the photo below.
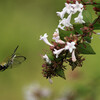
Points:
[(89, 3), (95, 21)]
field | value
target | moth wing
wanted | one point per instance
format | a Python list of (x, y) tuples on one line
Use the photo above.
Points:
[(18, 60)]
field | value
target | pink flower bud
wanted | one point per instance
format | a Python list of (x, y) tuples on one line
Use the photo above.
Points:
[(61, 42), (55, 34), (73, 56)]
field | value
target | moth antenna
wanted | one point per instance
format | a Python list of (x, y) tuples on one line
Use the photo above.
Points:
[(15, 50)]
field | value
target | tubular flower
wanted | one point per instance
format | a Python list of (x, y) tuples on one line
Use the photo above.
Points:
[(70, 46), (56, 38), (79, 19), (77, 7), (47, 59), (61, 14), (61, 27), (69, 8), (56, 31), (44, 38), (73, 56), (57, 52), (66, 22)]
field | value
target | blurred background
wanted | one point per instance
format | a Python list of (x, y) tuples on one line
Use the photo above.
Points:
[(21, 23)]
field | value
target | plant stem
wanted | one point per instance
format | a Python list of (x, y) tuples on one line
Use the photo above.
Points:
[(89, 3), (95, 21)]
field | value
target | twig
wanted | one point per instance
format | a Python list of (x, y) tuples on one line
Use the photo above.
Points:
[(90, 3), (95, 21)]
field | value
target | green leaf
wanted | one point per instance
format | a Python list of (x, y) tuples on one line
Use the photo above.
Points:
[(97, 5), (97, 1), (96, 25), (98, 13), (85, 48), (87, 16), (77, 28), (63, 34), (88, 39), (60, 72), (58, 59), (74, 65), (50, 56)]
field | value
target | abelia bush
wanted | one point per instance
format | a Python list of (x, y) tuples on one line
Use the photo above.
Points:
[(71, 39)]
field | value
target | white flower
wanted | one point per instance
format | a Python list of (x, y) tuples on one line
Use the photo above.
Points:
[(47, 59), (56, 38), (55, 34), (77, 7), (44, 38), (60, 14), (65, 22), (69, 8), (57, 52), (70, 46), (79, 19), (73, 56), (61, 27), (64, 11), (56, 31)]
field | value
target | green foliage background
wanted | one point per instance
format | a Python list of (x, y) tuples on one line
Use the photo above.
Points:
[(21, 23)]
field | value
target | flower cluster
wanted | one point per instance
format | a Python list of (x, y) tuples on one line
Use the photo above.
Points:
[(70, 41), (70, 9)]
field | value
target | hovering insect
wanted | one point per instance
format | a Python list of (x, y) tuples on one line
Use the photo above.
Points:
[(12, 60)]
